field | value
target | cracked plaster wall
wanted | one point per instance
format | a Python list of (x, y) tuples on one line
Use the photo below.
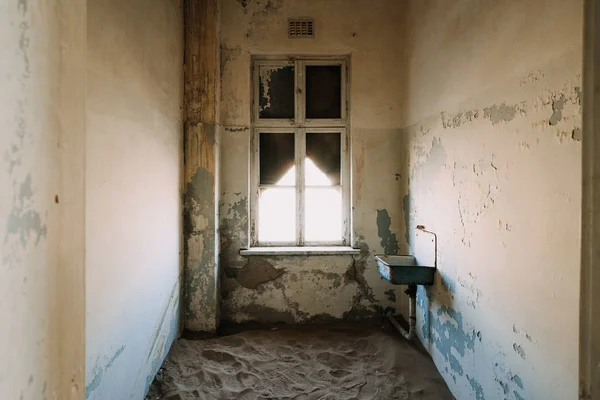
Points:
[(42, 114), (133, 213), (302, 289), (493, 139)]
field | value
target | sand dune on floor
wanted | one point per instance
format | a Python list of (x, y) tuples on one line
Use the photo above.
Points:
[(335, 362)]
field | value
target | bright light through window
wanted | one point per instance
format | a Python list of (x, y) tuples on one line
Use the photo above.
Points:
[(323, 214), (299, 169), (323, 208), (277, 215)]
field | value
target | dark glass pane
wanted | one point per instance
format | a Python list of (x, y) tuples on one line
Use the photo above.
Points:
[(323, 91), (324, 150), (276, 91), (276, 157)]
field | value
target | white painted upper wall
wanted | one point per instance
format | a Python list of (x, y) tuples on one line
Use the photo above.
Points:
[(495, 170), (460, 49), (42, 114), (133, 213)]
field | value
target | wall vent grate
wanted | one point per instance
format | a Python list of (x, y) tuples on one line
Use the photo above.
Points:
[(301, 28)]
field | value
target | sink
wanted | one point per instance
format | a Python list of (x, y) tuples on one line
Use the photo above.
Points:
[(404, 270)]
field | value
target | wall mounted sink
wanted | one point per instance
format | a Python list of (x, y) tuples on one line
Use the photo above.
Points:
[(404, 270)]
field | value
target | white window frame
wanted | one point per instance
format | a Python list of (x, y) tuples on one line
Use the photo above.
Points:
[(299, 126)]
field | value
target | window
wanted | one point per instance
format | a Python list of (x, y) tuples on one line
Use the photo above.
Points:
[(300, 169)]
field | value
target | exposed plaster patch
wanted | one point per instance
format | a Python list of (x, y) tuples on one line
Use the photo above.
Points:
[(164, 333), (472, 293), (99, 371), (577, 134), (521, 332), (256, 272), (228, 54), (426, 169), (504, 386), (199, 247), (288, 297), (23, 6), (477, 389), (508, 381), (503, 112), (578, 95), (495, 113), (356, 273), (270, 6), (566, 105), (456, 120), (479, 184), (518, 381), (518, 396), (407, 207), (519, 350), (388, 238), (24, 221), (447, 283), (557, 107), (532, 78), (448, 332), (261, 12), (233, 230)]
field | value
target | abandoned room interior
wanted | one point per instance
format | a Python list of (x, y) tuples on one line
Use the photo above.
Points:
[(299, 199)]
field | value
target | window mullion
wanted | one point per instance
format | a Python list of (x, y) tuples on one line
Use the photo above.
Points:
[(254, 187), (300, 93), (300, 156)]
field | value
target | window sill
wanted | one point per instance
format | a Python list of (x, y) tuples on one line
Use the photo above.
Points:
[(300, 251)]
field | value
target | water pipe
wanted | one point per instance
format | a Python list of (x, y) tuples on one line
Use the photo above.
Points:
[(412, 298), (412, 316)]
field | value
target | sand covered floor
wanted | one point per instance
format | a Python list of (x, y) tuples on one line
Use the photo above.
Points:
[(341, 361)]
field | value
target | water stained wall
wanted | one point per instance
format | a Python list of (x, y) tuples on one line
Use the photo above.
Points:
[(493, 138), (297, 289)]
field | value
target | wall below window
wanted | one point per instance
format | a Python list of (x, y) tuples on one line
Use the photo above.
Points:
[(300, 289), (133, 179), (494, 152)]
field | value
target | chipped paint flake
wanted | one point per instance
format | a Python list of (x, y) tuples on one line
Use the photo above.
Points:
[(388, 238)]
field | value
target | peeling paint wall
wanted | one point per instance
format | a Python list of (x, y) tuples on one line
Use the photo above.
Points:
[(42, 114), (494, 154), (302, 289), (133, 213), (201, 166)]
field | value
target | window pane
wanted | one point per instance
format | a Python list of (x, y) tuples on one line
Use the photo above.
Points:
[(277, 215), (277, 158), (323, 159), (276, 89), (323, 214), (323, 91)]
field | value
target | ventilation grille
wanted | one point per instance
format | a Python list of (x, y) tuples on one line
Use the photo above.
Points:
[(301, 28)]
